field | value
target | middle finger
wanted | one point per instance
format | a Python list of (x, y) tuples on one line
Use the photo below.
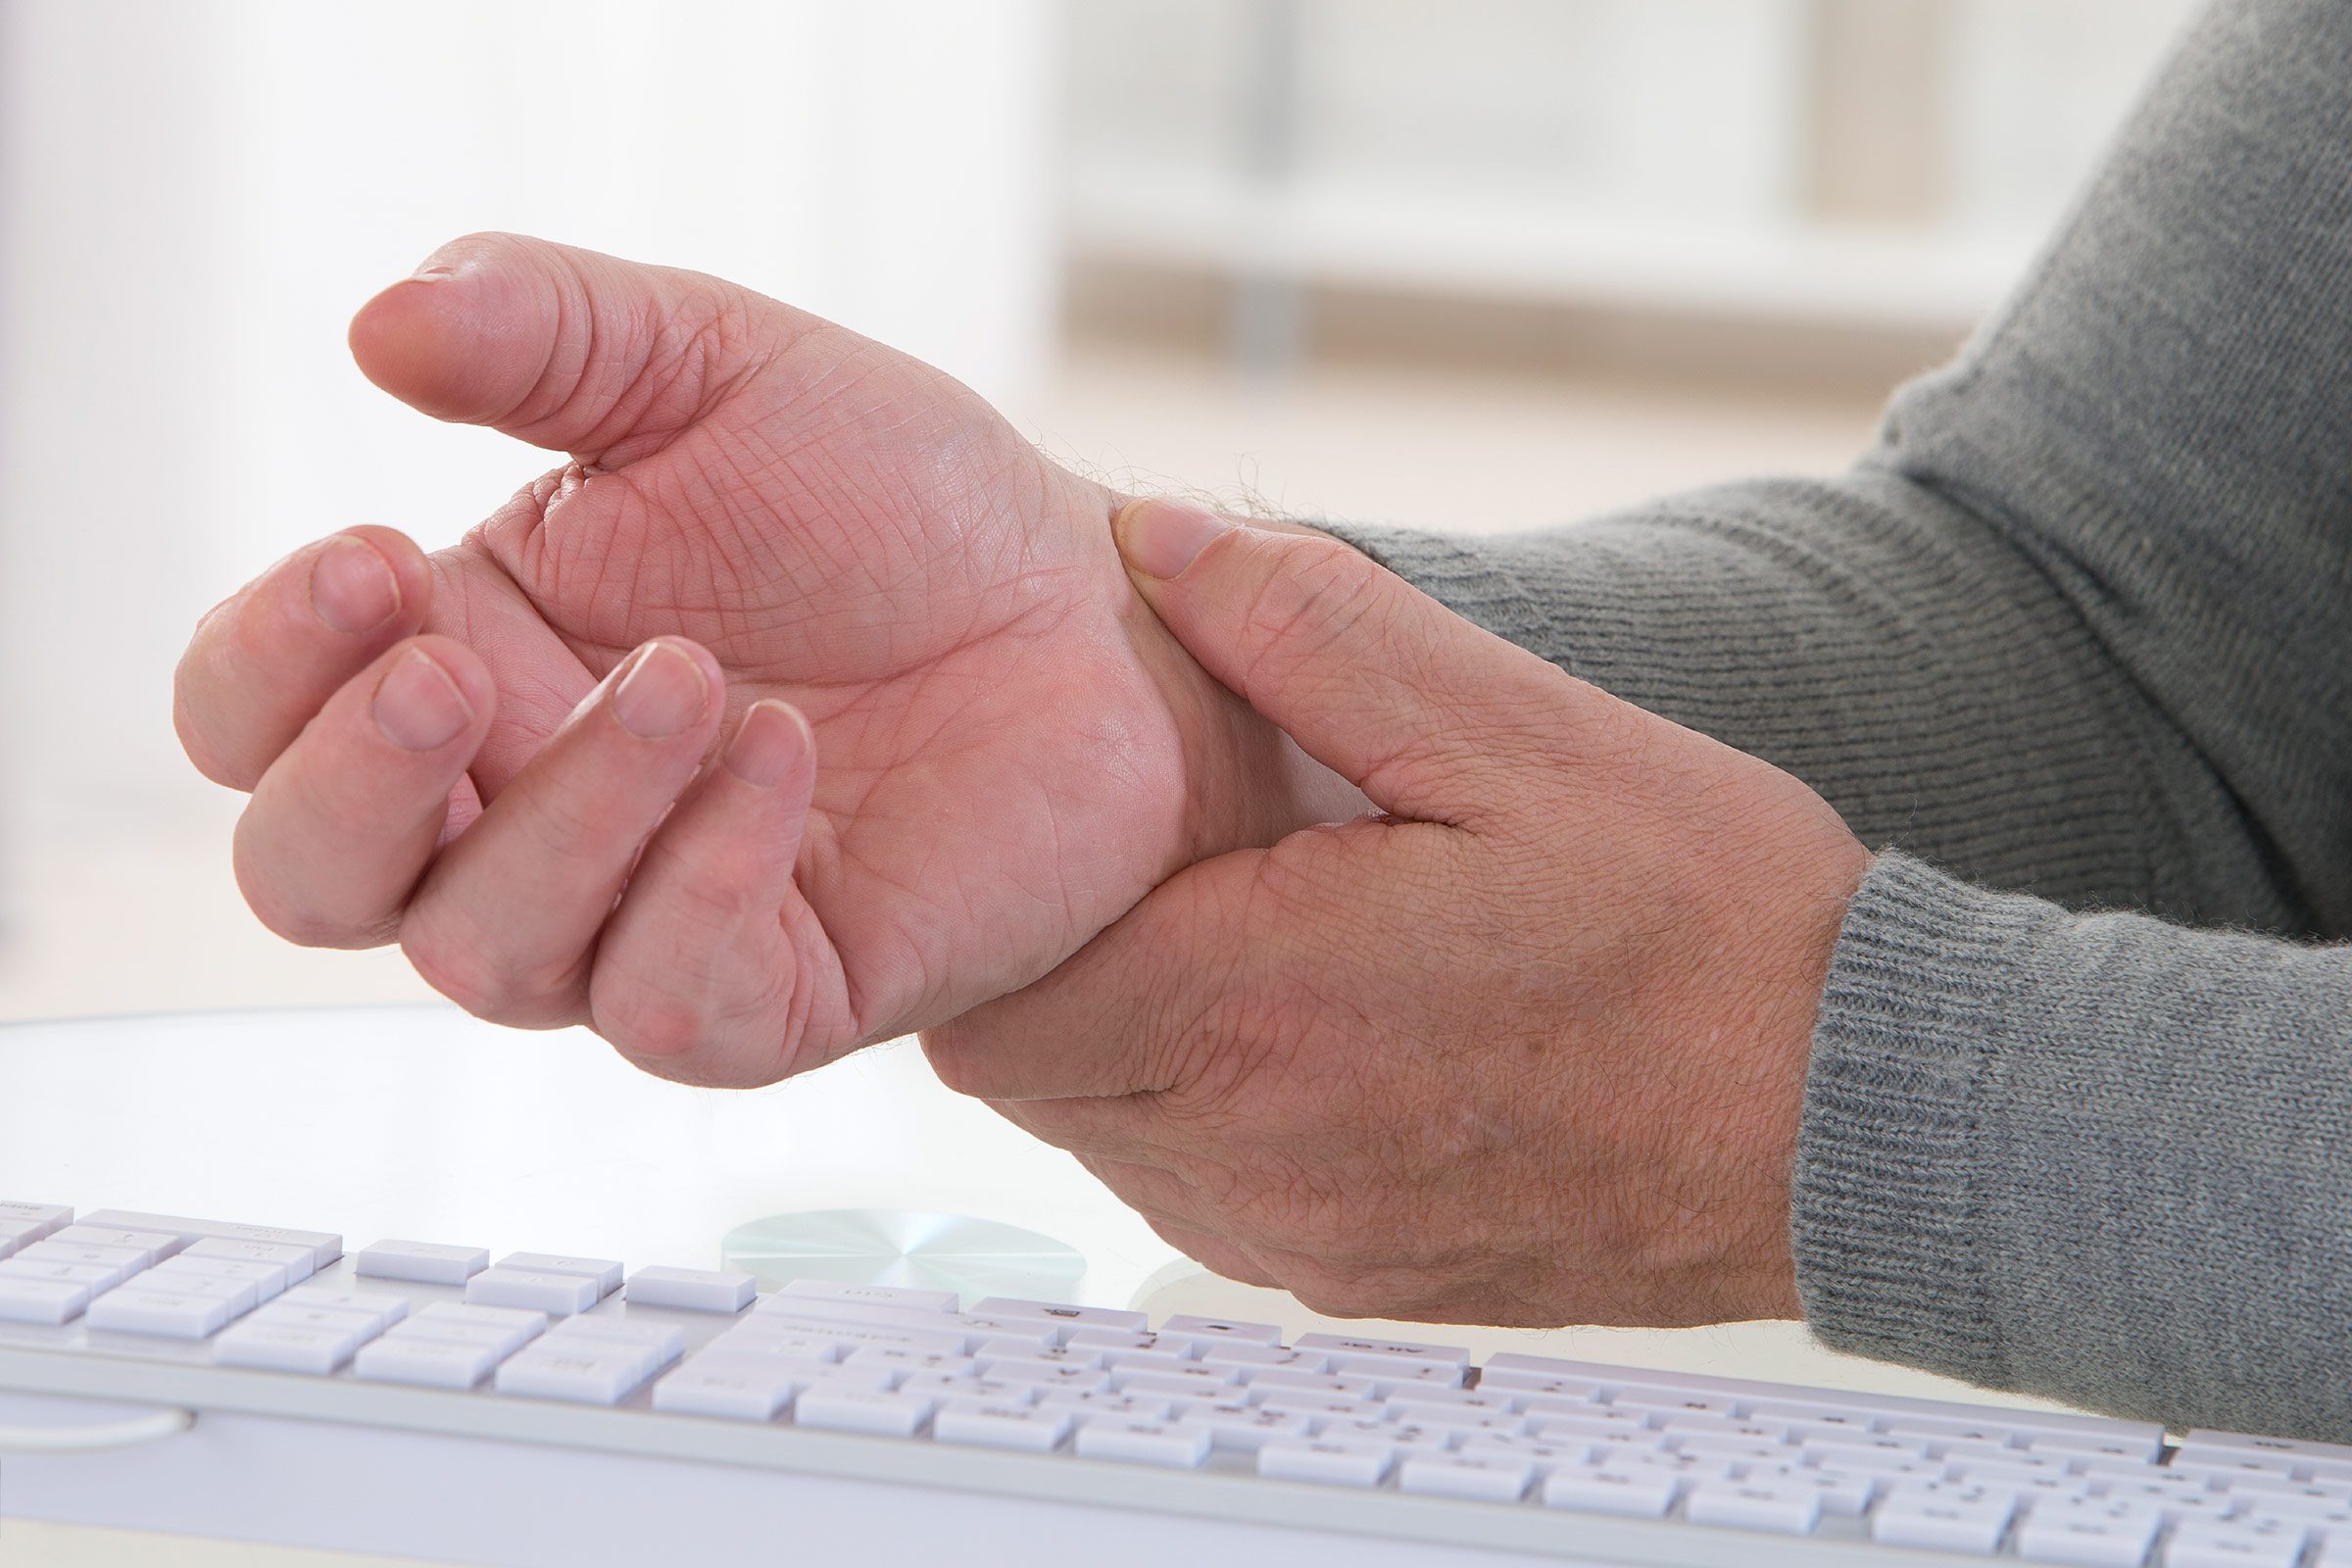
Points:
[(507, 919)]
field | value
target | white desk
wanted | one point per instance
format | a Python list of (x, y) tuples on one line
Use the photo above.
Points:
[(421, 1122)]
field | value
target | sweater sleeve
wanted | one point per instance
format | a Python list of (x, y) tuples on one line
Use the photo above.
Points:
[(2092, 1157), (2080, 628), (2081, 623)]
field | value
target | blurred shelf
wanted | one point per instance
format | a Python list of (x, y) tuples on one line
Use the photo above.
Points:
[(1539, 250)]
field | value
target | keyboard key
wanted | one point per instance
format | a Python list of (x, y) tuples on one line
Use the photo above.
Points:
[(1248, 1431), (29, 1222), (270, 1347), (155, 1246), (1845, 1494), (853, 1335), (579, 1373), (660, 1343), (425, 1262), (1600, 1425), (169, 1314), (1065, 1319), (386, 1309), (119, 1262), (297, 1261), (17, 1232), (733, 1387), (943, 1386), (1464, 1418), (1542, 1458), (401, 1356), (1109, 1341), (1542, 1383), (993, 1424), (285, 1313), (1635, 1494), (1482, 1479), (1404, 1439), (1264, 1380), (505, 1329), (755, 1336), (898, 1295), (1321, 1406), (2292, 1499), (1414, 1397), (1218, 1328), (1171, 1444), (1335, 1464), (532, 1290), (268, 1280), (323, 1249), (1088, 1402), (998, 1347), (902, 1363), (871, 1411), (603, 1271), (2087, 1534), (998, 1331), (241, 1296), (1342, 1346), (2200, 1441), (29, 1298), (2234, 1543), (1051, 1374), (1942, 1517), (1788, 1510), (1665, 1402), (2062, 1445), (691, 1290), (1266, 1355)]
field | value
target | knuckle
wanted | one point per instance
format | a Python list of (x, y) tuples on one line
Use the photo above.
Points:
[(961, 1055), (484, 977), (291, 910), (653, 1029)]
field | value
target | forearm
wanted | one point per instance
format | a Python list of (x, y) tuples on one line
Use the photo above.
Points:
[(2096, 1157)]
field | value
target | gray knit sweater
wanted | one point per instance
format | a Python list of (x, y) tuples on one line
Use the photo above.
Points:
[(2078, 628)]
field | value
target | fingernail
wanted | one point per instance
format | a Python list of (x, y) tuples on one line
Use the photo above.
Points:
[(663, 695), (1160, 538), (417, 706), (772, 739), (352, 586)]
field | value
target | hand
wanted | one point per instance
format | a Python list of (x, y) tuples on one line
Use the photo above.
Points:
[(956, 745), (1529, 1049)]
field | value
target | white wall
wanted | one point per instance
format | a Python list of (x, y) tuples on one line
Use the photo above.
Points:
[(195, 196)]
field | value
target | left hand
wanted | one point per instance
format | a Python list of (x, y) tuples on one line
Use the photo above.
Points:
[(1528, 1049)]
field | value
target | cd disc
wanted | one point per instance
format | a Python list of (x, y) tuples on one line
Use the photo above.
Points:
[(973, 1257)]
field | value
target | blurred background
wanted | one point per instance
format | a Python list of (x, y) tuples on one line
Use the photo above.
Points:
[(1459, 264)]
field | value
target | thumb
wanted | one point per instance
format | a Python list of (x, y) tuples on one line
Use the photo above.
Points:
[(1373, 678), (564, 348)]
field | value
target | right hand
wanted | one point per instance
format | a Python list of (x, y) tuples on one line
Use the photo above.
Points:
[(956, 745)]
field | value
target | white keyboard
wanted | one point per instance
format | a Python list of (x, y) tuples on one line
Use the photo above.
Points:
[(254, 1381)]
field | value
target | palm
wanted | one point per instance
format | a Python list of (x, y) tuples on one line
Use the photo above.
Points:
[(1000, 760)]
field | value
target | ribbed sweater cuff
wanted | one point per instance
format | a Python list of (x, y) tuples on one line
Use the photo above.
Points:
[(1900, 1147)]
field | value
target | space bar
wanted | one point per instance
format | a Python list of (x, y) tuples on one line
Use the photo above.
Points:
[(324, 1246)]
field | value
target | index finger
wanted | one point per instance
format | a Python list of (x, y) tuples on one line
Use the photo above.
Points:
[(266, 659)]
